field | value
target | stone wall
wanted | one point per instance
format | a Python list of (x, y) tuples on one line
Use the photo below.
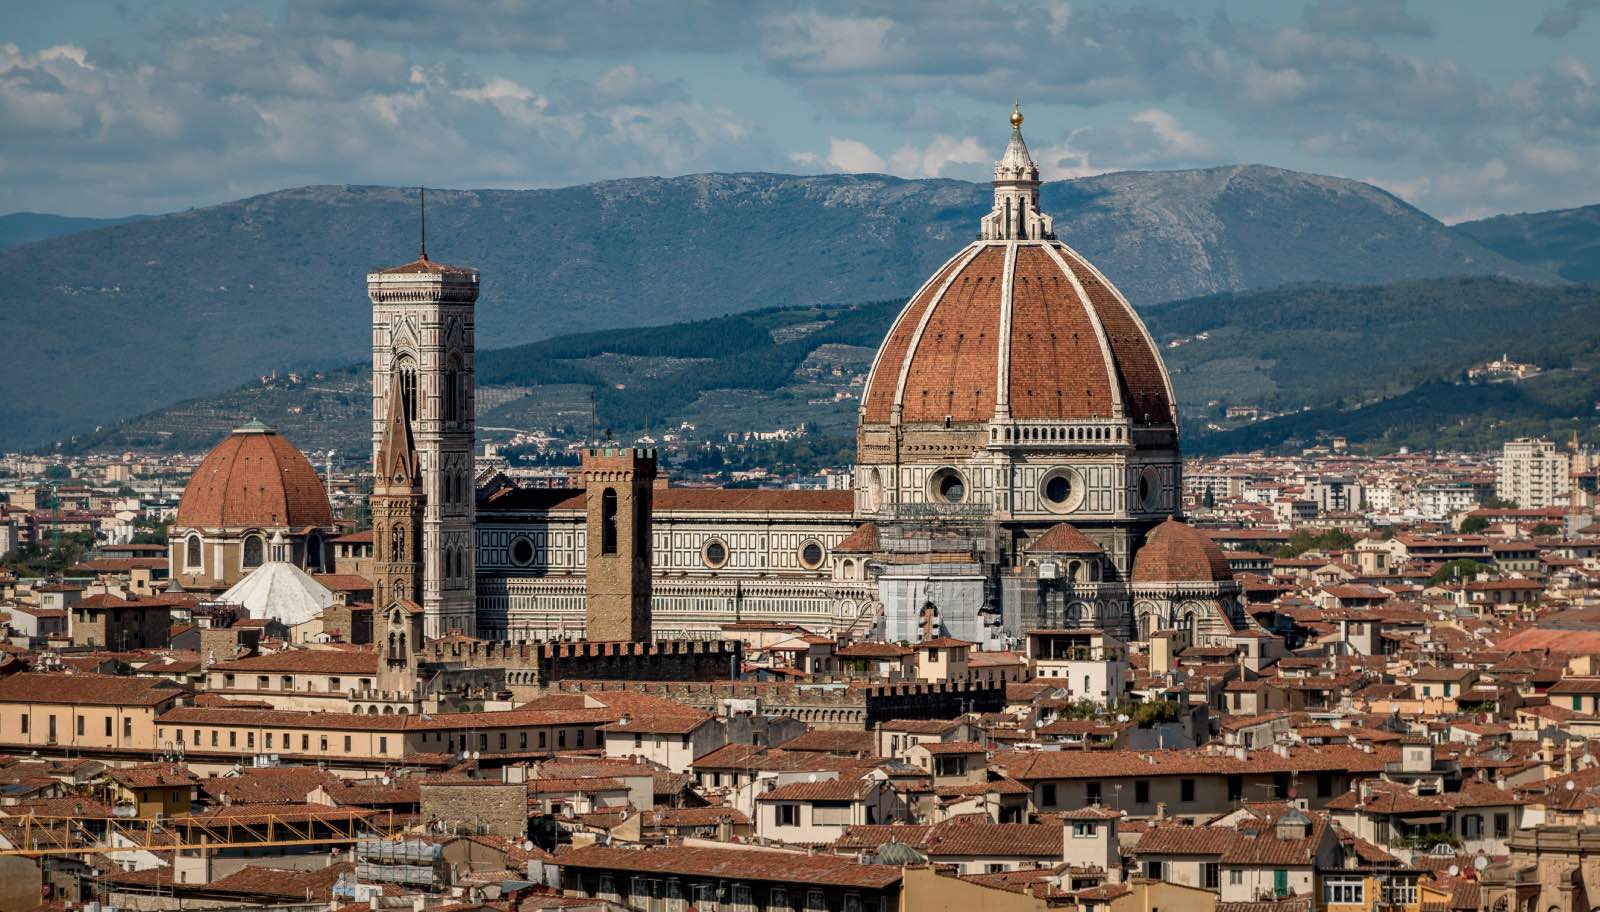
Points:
[(827, 705), (538, 664), (496, 808)]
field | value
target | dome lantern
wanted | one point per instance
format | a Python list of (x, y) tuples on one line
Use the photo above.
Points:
[(1016, 215)]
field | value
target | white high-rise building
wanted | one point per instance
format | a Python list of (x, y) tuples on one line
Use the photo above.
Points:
[(1532, 473)]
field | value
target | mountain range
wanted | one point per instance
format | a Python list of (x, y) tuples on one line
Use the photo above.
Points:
[(127, 318)]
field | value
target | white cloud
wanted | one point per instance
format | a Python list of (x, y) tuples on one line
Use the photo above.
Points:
[(943, 156), (853, 156), (1151, 138), (810, 42), (1173, 138)]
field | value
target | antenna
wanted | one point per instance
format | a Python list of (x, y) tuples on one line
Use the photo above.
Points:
[(422, 199)]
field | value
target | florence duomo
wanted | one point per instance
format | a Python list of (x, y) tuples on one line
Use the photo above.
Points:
[(822, 457)]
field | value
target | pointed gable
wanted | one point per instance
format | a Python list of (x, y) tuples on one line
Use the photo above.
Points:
[(397, 455)]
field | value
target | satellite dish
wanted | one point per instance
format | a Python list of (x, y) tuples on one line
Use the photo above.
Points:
[(1122, 717), (1570, 785), (1455, 870), (1480, 862)]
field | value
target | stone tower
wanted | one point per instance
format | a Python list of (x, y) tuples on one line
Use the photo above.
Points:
[(397, 504), (422, 351), (618, 484)]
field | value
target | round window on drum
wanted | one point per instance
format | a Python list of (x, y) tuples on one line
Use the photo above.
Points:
[(811, 555), (1061, 490), (947, 486)]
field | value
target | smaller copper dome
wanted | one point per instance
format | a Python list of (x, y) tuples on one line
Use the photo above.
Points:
[(1176, 552), (254, 478)]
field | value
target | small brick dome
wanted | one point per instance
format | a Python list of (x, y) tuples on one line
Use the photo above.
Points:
[(254, 478), (1176, 552)]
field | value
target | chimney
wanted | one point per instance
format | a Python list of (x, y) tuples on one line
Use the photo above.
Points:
[(1161, 810)]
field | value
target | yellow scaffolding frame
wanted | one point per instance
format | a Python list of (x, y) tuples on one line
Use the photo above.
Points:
[(84, 834)]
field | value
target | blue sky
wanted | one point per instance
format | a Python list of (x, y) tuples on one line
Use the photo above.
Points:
[(1463, 107)]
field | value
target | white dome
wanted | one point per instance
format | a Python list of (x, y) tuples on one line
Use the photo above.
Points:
[(280, 591)]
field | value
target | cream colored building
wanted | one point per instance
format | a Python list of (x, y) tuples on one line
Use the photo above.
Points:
[(104, 714), (670, 741), (324, 680), (359, 741)]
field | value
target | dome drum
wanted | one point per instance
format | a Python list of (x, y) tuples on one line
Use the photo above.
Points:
[(1038, 488)]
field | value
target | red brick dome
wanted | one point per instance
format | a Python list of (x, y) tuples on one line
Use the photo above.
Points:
[(1176, 552), (1018, 327), (254, 478)]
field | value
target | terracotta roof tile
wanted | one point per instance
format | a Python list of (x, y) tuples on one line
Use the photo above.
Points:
[(1175, 552), (254, 478), (734, 864), (88, 689)]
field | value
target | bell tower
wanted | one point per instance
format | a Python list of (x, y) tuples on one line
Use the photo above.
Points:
[(423, 316), (397, 569)]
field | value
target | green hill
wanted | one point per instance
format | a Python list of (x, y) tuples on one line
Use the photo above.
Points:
[(113, 322), (1379, 364), (1565, 241), (27, 227), (1320, 345)]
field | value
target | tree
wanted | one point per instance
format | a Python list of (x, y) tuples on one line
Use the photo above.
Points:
[(44, 559), (1496, 502), (1462, 568), (1545, 530), (1472, 525), (1305, 540), (153, 534)]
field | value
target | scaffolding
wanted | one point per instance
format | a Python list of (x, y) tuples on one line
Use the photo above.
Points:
[(38, 835)]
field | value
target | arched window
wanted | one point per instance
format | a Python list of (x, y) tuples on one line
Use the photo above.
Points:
[(397, 543), (253, 551), (191, 553), (313, 551), (405, 375), (399, 591), (608, 521)]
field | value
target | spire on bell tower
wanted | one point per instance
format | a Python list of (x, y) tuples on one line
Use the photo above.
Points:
[(397, 455), (1016, 215)]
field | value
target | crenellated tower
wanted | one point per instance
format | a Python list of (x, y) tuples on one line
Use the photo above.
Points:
[(619, 486), (423, 353)]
